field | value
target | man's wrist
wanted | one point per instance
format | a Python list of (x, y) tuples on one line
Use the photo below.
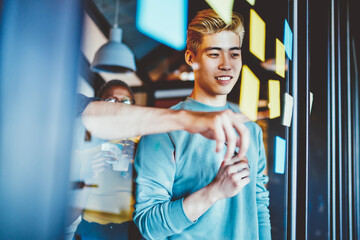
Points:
[(183, 117), (197, 203), (212, 194)]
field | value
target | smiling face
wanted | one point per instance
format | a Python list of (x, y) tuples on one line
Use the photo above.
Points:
[(216, 65)]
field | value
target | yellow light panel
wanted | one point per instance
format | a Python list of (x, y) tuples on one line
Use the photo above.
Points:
[(249, 93), (274, 98), (223, 8), (257, 35), (252, 2), (280, 58)]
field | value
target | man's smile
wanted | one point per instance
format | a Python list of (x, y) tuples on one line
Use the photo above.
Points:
[(224, 79)]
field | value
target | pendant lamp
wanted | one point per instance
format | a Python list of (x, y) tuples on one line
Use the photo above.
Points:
[(114, 56)]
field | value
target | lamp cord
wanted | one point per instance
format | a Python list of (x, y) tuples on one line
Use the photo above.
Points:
[(116, 13)]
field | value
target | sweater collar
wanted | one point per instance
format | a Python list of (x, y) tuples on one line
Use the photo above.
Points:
[(198, 106)]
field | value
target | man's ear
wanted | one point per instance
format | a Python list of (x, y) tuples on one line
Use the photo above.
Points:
[(189, 57)]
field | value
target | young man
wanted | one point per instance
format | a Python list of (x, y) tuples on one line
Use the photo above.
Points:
[(185, 191)]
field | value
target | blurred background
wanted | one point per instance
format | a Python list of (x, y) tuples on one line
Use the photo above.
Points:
[(48, 54)]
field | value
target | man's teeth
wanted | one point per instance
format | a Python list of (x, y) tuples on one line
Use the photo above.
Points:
[(223, 78)]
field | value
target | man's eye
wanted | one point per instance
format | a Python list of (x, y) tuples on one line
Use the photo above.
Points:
[(235, 55), (213, 55)]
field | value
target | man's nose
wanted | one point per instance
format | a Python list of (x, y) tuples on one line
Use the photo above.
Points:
[(224, 63)]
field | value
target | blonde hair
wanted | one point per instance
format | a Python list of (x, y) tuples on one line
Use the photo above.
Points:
[(208, 22)]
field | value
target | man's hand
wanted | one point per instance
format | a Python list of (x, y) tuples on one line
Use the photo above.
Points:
[(231, 178), (100, 162), (221, 126)]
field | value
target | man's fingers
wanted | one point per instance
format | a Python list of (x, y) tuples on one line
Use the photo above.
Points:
[(242, 118), (245, 173), (223, 130), (238, 167), (101, 154), (243, 181), (98, 165), (231, 137), (96, 155), (237, 121), (108, 159), (219, 135), (244, 139)]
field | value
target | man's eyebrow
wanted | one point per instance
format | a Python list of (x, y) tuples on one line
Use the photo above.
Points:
[(212, 48), (219, 49)]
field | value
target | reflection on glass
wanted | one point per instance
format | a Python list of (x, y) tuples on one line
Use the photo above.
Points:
[(288, 109), (288, 39), (280, 155), (165, 26), (223, 8)]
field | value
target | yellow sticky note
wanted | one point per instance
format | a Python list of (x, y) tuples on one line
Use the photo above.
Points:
[(274, 98), (280, 58), (249, 93), (257, 35), (252, 2), (223, 8)]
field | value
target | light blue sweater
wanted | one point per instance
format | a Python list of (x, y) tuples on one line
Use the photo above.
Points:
[(171, 166)]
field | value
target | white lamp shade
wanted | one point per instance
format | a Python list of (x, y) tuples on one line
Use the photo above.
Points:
[(114, 56)]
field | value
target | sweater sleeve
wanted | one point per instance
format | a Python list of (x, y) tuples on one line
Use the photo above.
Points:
[(156, 214), (82, 102), (262, 194)]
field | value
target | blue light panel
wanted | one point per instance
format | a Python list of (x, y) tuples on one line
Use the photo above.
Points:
[(163, 21), (288, 39), (280, 155)]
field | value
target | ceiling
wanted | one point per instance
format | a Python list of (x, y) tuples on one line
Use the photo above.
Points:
[(140, 44)]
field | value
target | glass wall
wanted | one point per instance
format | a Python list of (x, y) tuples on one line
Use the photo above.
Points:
[(314, 186)]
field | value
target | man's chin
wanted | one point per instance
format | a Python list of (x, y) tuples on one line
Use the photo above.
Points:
[(224, 91)]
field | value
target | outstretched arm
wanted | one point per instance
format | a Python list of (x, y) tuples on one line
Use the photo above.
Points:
[(116, 120)]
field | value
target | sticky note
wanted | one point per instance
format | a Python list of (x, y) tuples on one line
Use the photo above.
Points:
[(252, 2), (311, 101), (274, 98), (280, 155), (164, 21), (288, 109), (288, 39), (280, 58), (223, 8), (249, 93), (257, 35)]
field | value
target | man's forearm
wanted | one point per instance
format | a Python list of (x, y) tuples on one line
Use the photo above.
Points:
[(197, 203), (111, 121), (115, 120)]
